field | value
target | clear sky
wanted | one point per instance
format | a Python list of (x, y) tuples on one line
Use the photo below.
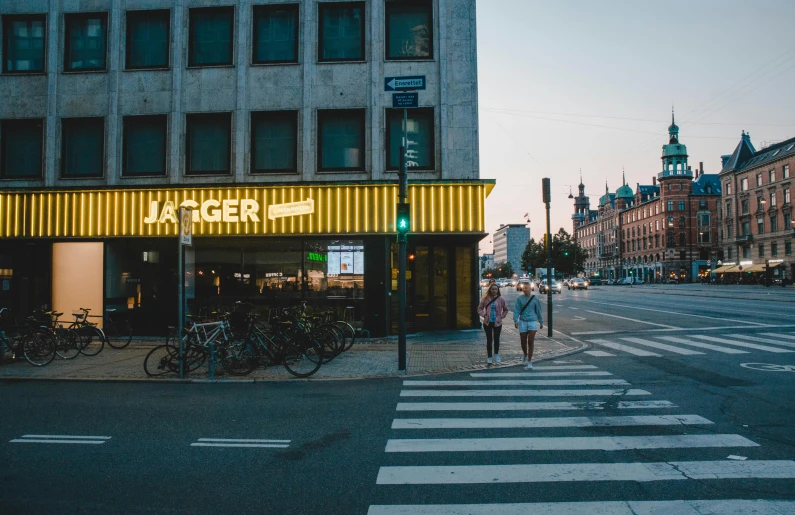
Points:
[(566, 85)]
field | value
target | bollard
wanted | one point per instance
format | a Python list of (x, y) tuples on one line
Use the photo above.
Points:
[(212, 360)]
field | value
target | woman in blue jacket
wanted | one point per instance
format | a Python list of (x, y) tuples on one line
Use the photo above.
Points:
[(528, 319)]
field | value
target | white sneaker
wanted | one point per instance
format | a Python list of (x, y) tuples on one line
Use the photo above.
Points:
[(488, 360), (497, 358), (529, 365), (524, 360)]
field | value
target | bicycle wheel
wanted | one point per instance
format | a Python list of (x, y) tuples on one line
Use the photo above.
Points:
[(239, 357), (67, 343), (331, 341), (92, 340), (349, 332), (302, 356), (117, 334), (38, 349), (161, 361)]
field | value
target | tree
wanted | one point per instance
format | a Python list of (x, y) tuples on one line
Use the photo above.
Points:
[(568, 258), (504, 269), (534, 255)]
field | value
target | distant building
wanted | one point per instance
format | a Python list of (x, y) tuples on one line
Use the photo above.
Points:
[(509, 244), (487, 260)]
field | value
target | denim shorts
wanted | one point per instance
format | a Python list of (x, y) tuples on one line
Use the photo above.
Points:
[(527, 326)]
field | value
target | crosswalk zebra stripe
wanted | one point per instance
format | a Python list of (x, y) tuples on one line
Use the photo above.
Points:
[(702, 345), (625, 348), (522, 382), (778, 335), (763, 340), (738, 344), (662, 346), (575, 443), (567, 472), (535, 373), (532, 423), (599, 353), (694, 507), (566, 367), (518, 393), (528, 406)]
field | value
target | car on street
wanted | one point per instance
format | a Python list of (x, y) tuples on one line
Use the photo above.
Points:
[(513, 282), (610, 282), (594, 281), (624, 281), (555, 288), (578, 284), (525, 283)]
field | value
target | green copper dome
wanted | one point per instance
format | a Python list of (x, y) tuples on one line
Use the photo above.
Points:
[(625, 192)]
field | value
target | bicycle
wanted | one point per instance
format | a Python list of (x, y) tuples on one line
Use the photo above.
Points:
[(36, 345), (92, 338), (118, 333), (67, 341)]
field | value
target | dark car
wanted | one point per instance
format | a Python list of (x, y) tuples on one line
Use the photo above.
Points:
[(578, 284)]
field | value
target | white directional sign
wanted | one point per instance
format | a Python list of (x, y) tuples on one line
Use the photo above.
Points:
[(410, 83)]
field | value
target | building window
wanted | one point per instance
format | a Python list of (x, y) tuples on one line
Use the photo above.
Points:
[(786, 196), (759, 179), (274, 142), (729, 252), (82, 147), (148, 38), (746, 228), (682, 222), (772, 198), (409, 30), (144, 145), (341, 32), (744, 205), (682, 239), (728, 208), (670, 205), (681, 205), (728, 188), (275, 34), (341, 139), (773, 223), (774, 249), (703, 237), (211, 32), (760, 203), (86, 41), (786, 172), (772, 176), (703, 219), (760, 225), (746, 252), (24, 41), (761, 250), (420, 132), (787, 220), (208, 144), (744, 184), (21, 149), (788, 248), (729, 231)]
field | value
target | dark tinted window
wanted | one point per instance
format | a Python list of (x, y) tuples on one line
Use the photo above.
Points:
[(148, 36), (208, 144), (21, 148), (82, 147), (341, 139), (24, 43), (276, 34), (145, 145), (211, 32), (409, 30), (274, 137), (341, 32), (86, 41)]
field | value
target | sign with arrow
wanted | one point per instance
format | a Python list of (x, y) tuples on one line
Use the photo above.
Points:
[(409, 83)]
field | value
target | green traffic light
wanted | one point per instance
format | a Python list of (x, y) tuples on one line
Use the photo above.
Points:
[(403, 222)]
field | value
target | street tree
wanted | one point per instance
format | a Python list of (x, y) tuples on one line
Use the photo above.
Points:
[(568, 258)]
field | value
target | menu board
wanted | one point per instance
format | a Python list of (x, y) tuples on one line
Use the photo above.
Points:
[(345, 260)]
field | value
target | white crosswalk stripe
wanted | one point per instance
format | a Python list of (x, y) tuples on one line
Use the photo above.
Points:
[(522, 382), (62, 439), (506, 423), (519, 393), (528, 406), (599, 353), (625, 348), (536, 373), (662, 346), (778, 335), (764, 340), (716, 348), (739, 344)]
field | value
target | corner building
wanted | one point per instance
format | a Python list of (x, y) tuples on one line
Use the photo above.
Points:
[(272, 121)]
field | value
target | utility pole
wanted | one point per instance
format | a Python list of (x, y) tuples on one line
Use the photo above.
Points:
[(545, 187), (403, 224)]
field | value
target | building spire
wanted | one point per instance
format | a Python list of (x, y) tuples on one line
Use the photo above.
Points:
[(623, 176), (672, 115)]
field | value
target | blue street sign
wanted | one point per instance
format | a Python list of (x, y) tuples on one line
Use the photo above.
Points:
[(410, 83), (405, 100)]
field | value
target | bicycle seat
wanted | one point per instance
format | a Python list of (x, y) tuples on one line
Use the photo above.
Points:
[(85, 309), (110, 310), (53, 313)]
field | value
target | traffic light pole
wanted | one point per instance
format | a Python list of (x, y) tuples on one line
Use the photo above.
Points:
[(547, 198), (402, 196)]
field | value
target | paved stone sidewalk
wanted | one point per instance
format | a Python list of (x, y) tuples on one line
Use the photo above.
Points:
[(428, 353)]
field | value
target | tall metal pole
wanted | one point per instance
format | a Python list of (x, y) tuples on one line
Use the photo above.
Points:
[(180, 298), (547, 193), (402, 195)]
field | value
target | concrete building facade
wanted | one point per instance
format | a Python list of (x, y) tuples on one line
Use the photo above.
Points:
[(510, 242)]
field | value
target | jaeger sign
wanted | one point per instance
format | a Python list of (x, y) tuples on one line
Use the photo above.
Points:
[(227, 210)]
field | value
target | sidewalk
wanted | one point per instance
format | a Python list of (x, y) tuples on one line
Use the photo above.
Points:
[(428, 353)]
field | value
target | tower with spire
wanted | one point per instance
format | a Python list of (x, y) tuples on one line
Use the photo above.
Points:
[(582, 205), (674, 155)]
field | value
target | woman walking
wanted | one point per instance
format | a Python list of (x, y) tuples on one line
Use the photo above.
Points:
[(528, 319), (493, 309)]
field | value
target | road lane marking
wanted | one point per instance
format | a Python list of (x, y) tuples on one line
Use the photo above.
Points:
[(528, 406), (522, 382), (241, 442), (662, 346), (534, 423), (739, 344), (519, 393), (585, 333), (533, 373), (543, 369), (680, 313), (625, 348), (567, 472), (690, 507), (599, 353), (634, 320), (789, 336), (764, 340), (702, 345), (62, 439), (576, 443)]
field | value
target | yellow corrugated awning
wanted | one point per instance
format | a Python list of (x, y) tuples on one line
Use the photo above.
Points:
[(754, 268), (732, 269), (722, 269)]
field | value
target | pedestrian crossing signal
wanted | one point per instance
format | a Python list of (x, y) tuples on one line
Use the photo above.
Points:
[(403, 222)]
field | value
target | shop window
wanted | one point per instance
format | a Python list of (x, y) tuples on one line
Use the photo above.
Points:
[(148, 37), (208, 144), (274, 142), (341, 140), (82, 147), (275, 34), (144, 145), (86, 42), (409, 30), (24, 41), (21, 149), (211, 33), (341, 32), (420, 135)]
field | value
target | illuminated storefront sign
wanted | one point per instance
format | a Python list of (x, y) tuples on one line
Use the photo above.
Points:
[(331, 209), (314, 256)]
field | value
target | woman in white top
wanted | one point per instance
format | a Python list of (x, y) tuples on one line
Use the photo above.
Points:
[(527, 317)]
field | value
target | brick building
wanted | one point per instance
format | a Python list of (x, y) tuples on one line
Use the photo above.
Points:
[(659, 232)]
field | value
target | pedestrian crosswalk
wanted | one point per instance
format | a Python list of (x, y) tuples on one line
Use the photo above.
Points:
[(693, 344), (448, 446)]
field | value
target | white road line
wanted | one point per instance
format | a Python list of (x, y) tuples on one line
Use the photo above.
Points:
[(625, 348), (528, 406), (535, 373), (520, 382), (662, 346), (518, 393), (241, 440), (577, 443), (739, 344), (532, 423), (585, 333), (679, 313), (694, 507), (545, 473), (716, 328), (81, 437), (599, 353), (764, 340), (633, 320), (702, 345), (266, 445), (541, 369), (778, 335), (62, 440)]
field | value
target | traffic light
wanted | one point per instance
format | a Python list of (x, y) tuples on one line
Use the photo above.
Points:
[(403, 222)]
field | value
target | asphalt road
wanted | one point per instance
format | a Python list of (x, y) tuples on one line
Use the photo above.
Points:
[(637, 417)]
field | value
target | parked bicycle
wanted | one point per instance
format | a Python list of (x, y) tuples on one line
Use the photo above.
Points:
[(30, 340), (92, 338)]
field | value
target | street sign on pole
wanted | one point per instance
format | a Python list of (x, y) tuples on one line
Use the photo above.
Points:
[(185, 226), (405, 100), (409, 83)]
